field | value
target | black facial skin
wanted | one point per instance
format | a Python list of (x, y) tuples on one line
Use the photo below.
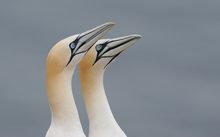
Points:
[(101, 47), (73, 45)]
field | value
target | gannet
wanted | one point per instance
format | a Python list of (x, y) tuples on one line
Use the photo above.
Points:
[(60, 65), (92, 67)]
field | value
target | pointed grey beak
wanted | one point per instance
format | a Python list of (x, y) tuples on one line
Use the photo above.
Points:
[(90, 37), (113, 47), (117, 45), (86, 40)]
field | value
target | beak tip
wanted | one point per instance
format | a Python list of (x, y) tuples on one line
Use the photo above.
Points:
[(137, 36), (109, 24)]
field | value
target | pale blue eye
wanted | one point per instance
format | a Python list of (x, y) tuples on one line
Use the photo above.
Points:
[(72, 46), (98, 47)]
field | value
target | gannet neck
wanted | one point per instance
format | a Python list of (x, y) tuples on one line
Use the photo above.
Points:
[(60, 65), (65, 119), (101, 120)]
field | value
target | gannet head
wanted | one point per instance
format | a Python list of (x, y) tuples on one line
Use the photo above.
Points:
[(68, 52), (104, 51)]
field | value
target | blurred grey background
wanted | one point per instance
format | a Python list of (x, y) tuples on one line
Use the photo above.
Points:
[(167, 85)]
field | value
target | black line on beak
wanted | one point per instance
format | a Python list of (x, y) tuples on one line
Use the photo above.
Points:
[(99, 56), (112, 59), (76, 41)]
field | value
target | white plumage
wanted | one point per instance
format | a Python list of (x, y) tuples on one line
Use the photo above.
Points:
[(60, 65), (101, 120)]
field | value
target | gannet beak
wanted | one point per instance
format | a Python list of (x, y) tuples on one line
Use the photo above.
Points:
[(113, 47), (117, 45), (90, 37), (86, 40)]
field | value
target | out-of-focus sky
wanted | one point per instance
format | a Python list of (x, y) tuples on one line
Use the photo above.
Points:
[(167, 85)]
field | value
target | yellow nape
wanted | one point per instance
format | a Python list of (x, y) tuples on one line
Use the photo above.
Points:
[(87, 62), (58, 57)]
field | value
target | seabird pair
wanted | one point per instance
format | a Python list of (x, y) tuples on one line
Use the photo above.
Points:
[(93, 55)]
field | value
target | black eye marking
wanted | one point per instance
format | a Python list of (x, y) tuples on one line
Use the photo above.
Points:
[(99, 47), (72, 47), (73, 44), (77, 46)]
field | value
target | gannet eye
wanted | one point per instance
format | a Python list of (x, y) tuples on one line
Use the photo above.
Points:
[(72, 45), (98, 47)]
